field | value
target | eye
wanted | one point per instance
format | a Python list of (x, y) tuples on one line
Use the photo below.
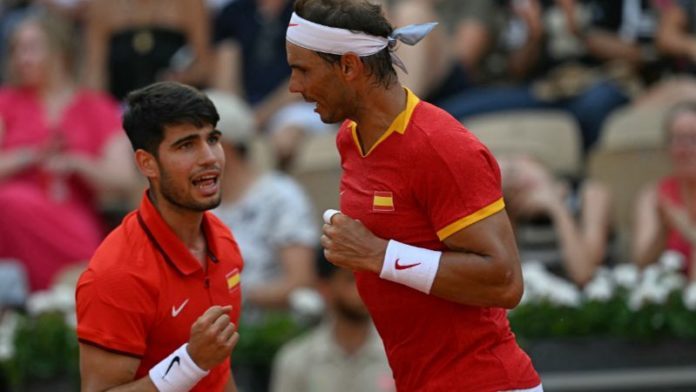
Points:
[(185, 145), (214, 139)]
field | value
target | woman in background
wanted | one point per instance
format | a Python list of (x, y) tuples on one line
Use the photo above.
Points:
[(60, 146)]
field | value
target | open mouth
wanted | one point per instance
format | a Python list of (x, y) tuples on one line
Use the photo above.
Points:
[(207, 184)]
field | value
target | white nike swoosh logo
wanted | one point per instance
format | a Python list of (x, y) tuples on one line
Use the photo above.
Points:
[(176, 311)]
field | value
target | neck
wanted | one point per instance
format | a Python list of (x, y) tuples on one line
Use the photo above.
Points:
[(350, 335), (378, 110), (186, 224)]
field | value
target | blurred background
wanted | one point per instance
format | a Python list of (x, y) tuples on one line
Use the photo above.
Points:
[(588, 105)]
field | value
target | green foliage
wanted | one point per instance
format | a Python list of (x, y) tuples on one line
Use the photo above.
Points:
[(612, 318), (46, 349), (259, 342)]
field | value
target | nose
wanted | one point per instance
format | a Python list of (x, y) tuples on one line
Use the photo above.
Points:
[(294, 85), (210, 154)]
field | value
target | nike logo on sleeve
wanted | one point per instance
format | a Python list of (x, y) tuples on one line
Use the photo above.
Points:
[(404, 266)]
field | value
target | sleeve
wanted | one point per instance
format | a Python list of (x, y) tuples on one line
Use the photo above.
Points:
[(115, 311), (288, 370), (461, 184), (295, 223)]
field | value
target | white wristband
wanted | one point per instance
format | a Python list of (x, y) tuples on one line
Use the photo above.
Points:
[(177, 372), (410, 265)]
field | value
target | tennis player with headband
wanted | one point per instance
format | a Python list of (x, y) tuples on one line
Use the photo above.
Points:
[(422, 220)]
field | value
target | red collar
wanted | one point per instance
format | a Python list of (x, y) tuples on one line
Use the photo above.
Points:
[(166, 241)]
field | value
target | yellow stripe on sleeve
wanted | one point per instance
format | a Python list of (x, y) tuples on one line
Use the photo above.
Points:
[(468, 220), (233, 281)]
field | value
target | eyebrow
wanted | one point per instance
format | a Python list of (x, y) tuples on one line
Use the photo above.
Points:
[(184, 139)]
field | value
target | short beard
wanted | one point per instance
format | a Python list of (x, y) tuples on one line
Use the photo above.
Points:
[(178, 199)]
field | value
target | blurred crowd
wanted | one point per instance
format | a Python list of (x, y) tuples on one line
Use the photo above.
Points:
[(620, 74)]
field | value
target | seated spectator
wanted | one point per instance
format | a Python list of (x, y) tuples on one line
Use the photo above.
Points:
[(130, 44), (665, 214), (452, 57), (344, 353), (579, 232), (676, 41), (269, 213), (60, 148), (588, 86), (250, 61)]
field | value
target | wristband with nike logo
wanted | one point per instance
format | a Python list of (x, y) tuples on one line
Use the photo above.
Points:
[(177, 372), (410, 265)]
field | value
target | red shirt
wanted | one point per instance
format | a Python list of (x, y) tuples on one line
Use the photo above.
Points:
[(669, 188), (143, 289), (424, 180)]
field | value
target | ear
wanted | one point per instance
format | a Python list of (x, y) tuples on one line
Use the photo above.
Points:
[(147, 163), (351, 66)]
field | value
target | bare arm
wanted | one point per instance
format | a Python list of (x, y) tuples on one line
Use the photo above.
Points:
[(525, 58), (212, 339), (105, 371), (298, 271), (649, 232), (608, 46), (672, 37), (482, 267), (197, 29), (227, 75), (14, 161), (583, 246), (112, 172), (96, 37)]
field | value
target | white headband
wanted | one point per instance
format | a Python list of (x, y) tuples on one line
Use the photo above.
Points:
[(333, 40)]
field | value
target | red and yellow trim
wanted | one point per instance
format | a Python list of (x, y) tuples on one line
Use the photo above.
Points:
[(470, 219), (233, 279), (399, 124)]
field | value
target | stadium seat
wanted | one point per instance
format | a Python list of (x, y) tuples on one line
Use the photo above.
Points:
[(634, 128), (551, 136)]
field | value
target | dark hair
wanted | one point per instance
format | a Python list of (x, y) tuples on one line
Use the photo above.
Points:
[(355, 15), (150, 109)]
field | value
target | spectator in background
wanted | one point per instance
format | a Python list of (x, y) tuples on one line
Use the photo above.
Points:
[(270, 214), (60, 147), (451, 58), (588, 86), (130, 44), (344, 353), (665, 212), (580, 229), (675, 40), (250, 62)]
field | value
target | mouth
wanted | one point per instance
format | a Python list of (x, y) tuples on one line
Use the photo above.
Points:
[(207, 183)]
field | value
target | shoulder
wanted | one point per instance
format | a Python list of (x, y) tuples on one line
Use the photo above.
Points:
[(437, 133)]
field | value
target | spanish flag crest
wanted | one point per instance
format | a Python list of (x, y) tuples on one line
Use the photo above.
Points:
[(383, 201), (232, 278)]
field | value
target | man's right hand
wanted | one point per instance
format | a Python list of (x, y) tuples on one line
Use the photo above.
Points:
[(213, 337)]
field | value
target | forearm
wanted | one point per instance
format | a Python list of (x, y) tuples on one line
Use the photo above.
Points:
[(144, 384), (607, 46), (523, 60), (105, 177), (476, 280), (13, 162), (579, 258)]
